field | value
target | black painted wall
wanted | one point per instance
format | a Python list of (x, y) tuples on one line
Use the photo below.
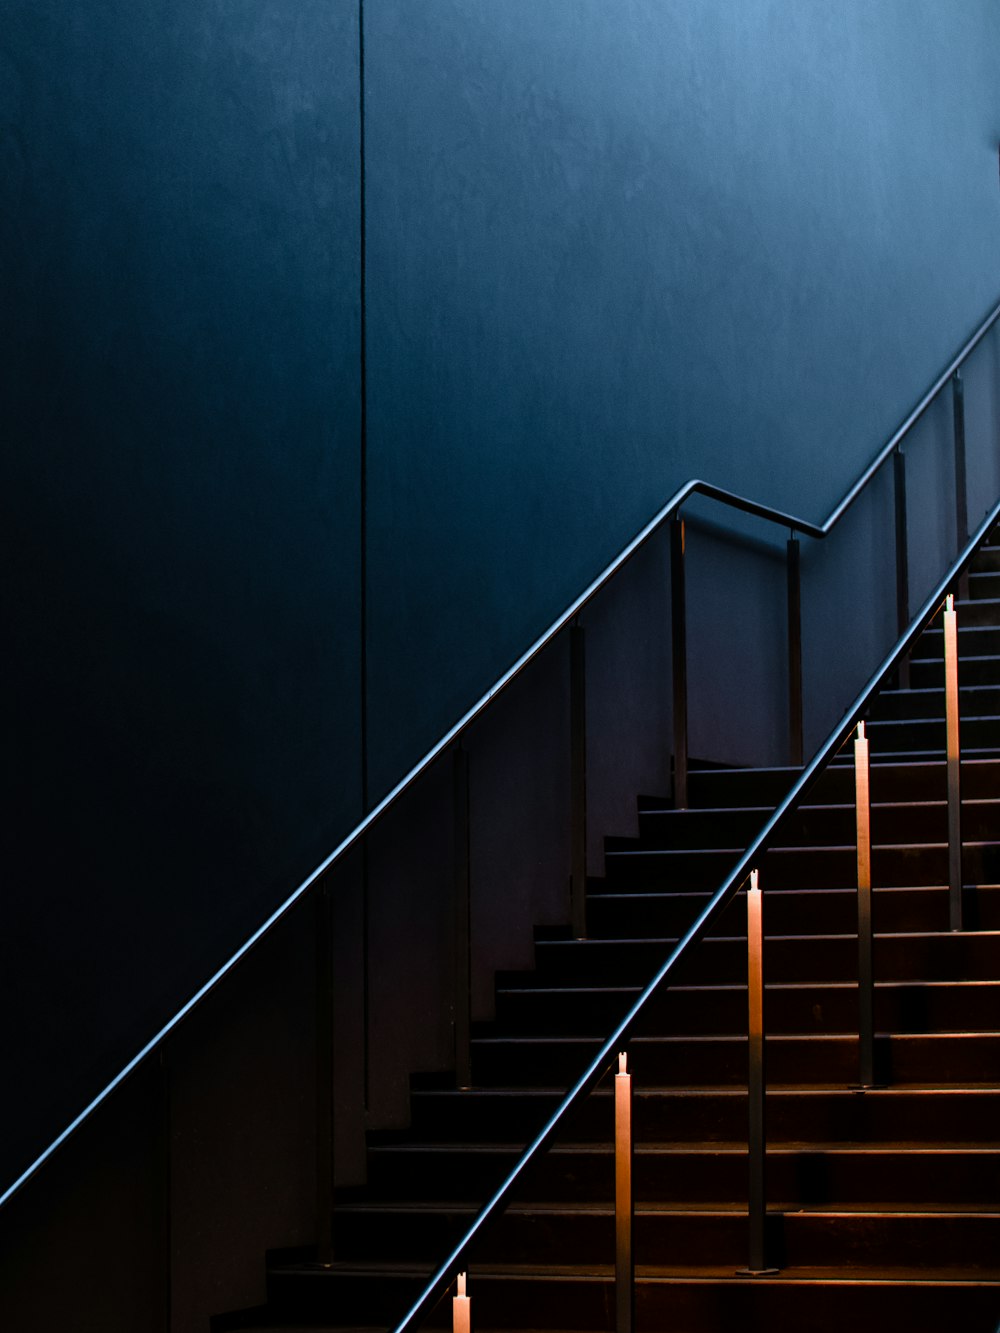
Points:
[(609, 246)]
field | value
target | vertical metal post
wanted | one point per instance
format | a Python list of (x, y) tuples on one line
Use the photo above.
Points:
[(324, 1076), (678, 638), (866, 982), (578, 781), (166, 1188), (461, 1308), (463, 945), (954, 766), (756, 1145), (794, 654), (902, 560), (624, 1212), (961, 483)]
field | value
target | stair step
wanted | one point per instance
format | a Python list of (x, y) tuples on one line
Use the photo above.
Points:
[(896, 821), (894, 735), (567, 1297), (877, 1176), (973, 701), (792, 911), (900, 781), (791, 867), (929, 1006), (960, 1057), (822, 1235), (978, 665), (965, 955), (683, 1115)]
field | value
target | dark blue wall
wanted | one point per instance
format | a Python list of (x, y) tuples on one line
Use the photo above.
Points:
[(609, 246), (179, 253)]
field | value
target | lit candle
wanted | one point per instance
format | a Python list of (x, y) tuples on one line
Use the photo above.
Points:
[(461, 1319)]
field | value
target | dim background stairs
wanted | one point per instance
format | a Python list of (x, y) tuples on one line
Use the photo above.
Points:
[(884, 1205)]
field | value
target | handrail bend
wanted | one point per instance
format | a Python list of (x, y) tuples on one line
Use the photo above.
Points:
[(693, 487), (719, 901)]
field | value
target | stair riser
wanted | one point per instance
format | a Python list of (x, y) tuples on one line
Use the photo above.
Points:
[(973, 640), (825, 912), (890, 781), (793, 868), (880, 1116), (692, 829), (805, 1009), (616, 963), (986, 559), (927, 672), (973, 701), (586, 1303), (805, 1179), (977, 733), (800, 1239), (694, 1061)]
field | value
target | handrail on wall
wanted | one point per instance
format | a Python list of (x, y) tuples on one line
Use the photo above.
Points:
[(693, 487)]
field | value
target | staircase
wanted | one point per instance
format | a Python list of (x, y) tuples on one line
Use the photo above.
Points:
[(883, 1205)]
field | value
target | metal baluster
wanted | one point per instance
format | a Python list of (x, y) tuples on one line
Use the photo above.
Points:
[(866, 986), (461, 1307), (678, 636), (961, 484), (954, 766), (463, 945), (324, 1076), (794, 653), (756, 1142), (902, 560), (578, 781), (624, 1269)]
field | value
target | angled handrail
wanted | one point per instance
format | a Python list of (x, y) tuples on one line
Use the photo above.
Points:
[(719, 901), (693, 487)]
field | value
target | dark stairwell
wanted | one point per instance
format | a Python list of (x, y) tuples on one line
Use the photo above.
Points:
[(882, 1205)]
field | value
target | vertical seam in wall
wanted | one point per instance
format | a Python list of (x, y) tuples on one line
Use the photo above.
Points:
[(363, 375)]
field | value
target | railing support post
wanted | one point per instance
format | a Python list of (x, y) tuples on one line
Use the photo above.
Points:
[(624, 1211), (678, 641), (902, 560), (794, 654), (866, 981), (324, 1077), (756, 1141), (954, 766), (961, 483), (463, 946), (578, 781), (461, 1307)]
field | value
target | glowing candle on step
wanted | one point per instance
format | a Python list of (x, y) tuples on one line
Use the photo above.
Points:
[(461, 1319)]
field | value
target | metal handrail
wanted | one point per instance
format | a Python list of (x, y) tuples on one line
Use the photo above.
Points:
[(693, 487), (719, 901)]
